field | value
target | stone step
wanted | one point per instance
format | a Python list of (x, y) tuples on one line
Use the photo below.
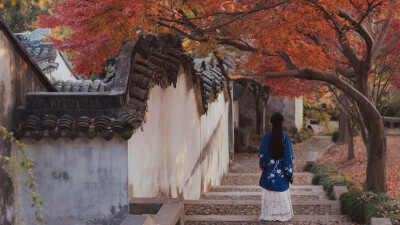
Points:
[(258, 202), (253, 219), (304, 195), (256, 188), (258, 197), (253, 179), (265, 223), (259, 173), (257, 193), (206, 209)]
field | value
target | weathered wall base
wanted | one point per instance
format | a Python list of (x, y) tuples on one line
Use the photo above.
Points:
[(82, 180)]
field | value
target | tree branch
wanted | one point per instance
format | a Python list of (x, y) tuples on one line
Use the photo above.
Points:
[(386, 47), (236, 77), (360, 29), (382, 35), (309, 74), (344, 72)]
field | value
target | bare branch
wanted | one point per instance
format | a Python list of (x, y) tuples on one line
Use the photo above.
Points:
[(343, 105), (386, 47), (382, 35), (359, 28)]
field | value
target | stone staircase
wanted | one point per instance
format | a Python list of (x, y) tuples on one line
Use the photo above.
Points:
[(238, 201)]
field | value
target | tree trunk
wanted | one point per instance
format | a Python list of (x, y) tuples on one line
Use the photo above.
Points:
[(376, 143), (350, 143), (376, 153), (343, 125)]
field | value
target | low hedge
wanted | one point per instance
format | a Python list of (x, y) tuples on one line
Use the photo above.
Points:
[(304, 134), (329, 176), (335, 135), (360, 205)]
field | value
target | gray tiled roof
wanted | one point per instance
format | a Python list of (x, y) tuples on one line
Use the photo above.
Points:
[(117, 104), (212, 79), (44, 54)]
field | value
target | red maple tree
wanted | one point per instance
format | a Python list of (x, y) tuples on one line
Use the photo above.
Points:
[(336, 42)]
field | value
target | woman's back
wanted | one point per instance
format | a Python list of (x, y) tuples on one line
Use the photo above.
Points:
[(276, 173), (276, 161)]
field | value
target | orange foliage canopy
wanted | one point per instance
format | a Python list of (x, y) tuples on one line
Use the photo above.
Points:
[(277, 35)]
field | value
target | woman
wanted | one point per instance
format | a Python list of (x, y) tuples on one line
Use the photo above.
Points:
[(276, 161)]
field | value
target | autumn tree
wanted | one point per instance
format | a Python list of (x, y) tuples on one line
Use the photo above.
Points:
[(336, 42), (21, 16)]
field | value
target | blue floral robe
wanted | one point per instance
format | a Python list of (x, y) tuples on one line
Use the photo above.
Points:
[(276, 174)]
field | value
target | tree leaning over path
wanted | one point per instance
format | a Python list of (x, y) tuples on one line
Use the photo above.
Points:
[(330, 41)]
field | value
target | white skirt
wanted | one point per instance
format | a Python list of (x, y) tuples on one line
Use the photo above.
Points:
[(276, 206)]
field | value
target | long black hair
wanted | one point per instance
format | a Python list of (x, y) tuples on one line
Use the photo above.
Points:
[(276, 147)]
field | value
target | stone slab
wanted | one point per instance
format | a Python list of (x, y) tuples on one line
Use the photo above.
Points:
[(138, 220), (336, 210), (381, 221), (258, 202), (308, 193), (171, 213), (312, 157), (211, 202), (338, 191), (149, 205), (315, 188), (240, 218), (259, 174)]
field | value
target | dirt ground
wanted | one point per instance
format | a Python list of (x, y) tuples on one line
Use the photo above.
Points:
[(356, 168)]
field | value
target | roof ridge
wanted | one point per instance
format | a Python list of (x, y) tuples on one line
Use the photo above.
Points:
[(24, 54)]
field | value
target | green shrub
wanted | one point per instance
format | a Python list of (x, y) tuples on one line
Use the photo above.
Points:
[(335, 135), (328, 176), (309, 132), (324, 168), (389, 208), (358, 204), (304, 134), (362, 205), (392, 108)]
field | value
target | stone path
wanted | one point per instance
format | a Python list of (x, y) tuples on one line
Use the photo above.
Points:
[(314, 144), (237, 201)]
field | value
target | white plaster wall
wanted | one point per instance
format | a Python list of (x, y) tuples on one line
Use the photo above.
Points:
[(179, 153), (236, 113), (63, 72), (299, 112), (82, 180), (292, 110)]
